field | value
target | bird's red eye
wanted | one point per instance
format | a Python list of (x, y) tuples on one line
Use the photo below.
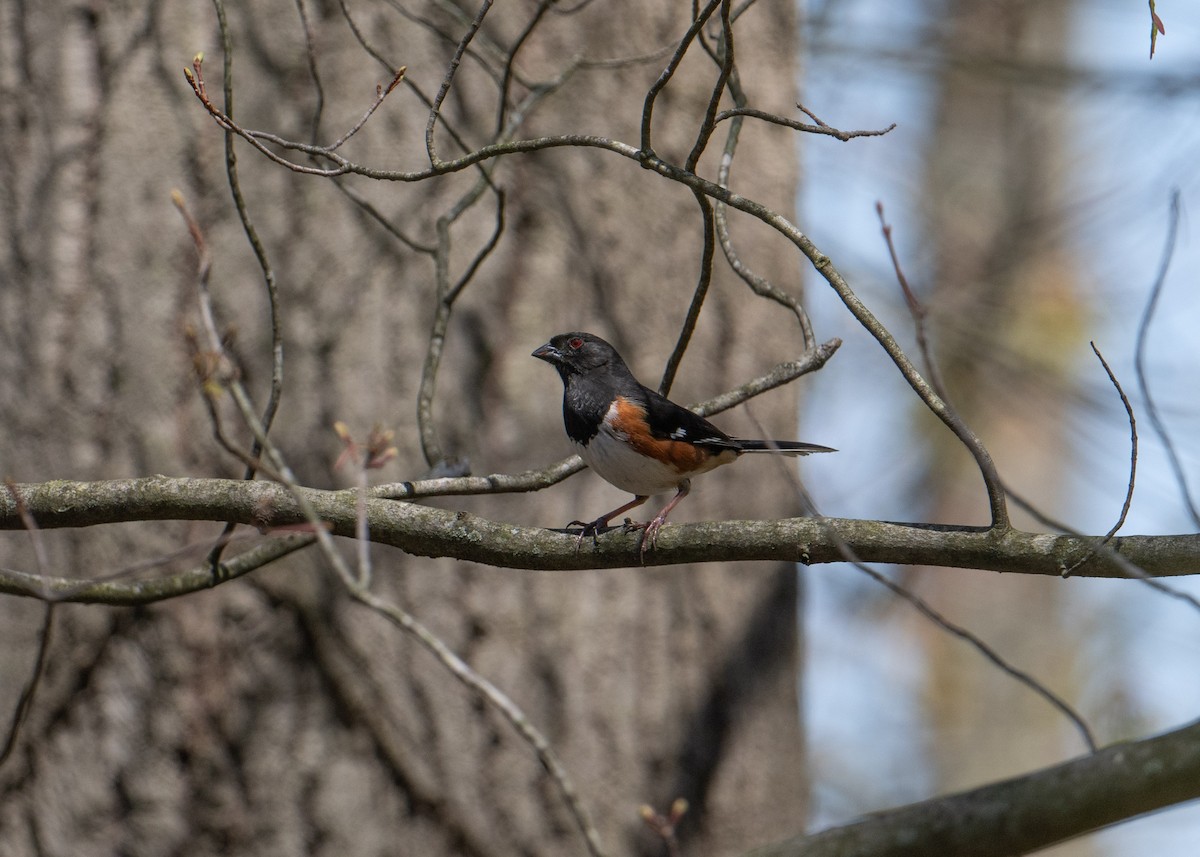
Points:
[(576, 343)]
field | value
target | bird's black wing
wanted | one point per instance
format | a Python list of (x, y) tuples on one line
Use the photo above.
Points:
[(670, 421)]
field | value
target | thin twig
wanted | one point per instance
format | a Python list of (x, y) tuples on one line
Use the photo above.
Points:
[(115, 589), (372, 212), (1139, 361), (357, 585), (25, 698), (932, 392), (1108, 551), (994, 657), (915, 308), (819, 128), (510, 62), (431, 445), (925, 609), (782, 225), (443, 90), (666, 827), (703, 281), (499, 701), (361, 38), (381, 92), (646, 150), (757, 283), (310, 53), (724, 57), (260, 253), (482, 254), (392, 69), (1133, 457)]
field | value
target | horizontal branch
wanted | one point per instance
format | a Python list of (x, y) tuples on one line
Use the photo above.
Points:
[(425, 531), (1026, 813)]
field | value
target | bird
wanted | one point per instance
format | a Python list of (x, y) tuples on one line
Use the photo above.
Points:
[(635, 438)]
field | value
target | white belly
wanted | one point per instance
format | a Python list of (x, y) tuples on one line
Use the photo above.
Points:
[(630, 471)]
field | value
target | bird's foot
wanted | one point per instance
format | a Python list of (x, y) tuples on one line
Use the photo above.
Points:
[(649, 535), (600, 525), (589, 528)]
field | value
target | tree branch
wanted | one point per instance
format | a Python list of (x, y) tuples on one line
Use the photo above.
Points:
[(1025, 813), (424, 531)]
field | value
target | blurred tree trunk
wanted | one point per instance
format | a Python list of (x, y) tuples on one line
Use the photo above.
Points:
[(1006, 313), (273, 716)]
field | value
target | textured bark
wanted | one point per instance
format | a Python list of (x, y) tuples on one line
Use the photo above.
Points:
[(273, 715), (427, 532)]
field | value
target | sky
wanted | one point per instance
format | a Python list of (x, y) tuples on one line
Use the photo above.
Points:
[(1134, 142)]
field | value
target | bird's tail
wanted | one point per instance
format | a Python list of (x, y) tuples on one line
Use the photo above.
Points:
[(782, 447)]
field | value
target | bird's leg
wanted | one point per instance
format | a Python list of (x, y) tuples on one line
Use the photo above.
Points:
[(650, 534), (593, 528)]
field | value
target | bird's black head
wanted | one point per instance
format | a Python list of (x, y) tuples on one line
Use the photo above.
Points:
[(578, 353)]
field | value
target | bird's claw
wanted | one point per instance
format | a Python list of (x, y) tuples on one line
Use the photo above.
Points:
[(600, 525), (589, 528), (649, 536)]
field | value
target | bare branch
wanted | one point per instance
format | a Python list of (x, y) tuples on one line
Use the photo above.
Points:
[(926, 609), (758, 284), (1129, 569), (256, 245), (310, 53), (933, 393), (116, 588), (1027, 813), (659, 85), (819, 128), (923, 607), (1133, 451), (425, 531), (25, 698), (357, 585), (510, 61), (1139, 360), (499, 701), (915, 308), (436, 108), (381, 92), (724, 57), (703, 281)]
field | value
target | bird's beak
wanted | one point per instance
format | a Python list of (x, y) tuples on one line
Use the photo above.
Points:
[(548, 353)]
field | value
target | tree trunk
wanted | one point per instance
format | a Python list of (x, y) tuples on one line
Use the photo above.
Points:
[(274, 715)]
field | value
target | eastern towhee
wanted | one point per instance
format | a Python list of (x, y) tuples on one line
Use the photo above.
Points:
[(635, 438)]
